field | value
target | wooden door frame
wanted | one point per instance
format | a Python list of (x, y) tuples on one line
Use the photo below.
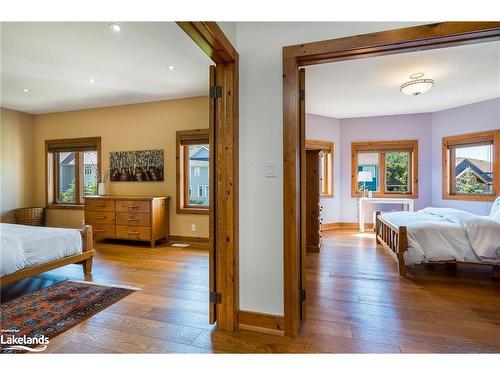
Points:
[(224, 214), (431, 36)]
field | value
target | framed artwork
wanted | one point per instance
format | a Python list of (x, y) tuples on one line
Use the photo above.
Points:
[(145, 165)]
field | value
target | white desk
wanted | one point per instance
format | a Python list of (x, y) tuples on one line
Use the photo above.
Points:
[(407, 203)]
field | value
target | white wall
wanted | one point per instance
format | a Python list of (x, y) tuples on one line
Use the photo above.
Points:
[(460, 120), (261, 138), (323, 128)]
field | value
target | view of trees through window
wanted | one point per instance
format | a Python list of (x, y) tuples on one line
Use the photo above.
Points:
[(397, 170), (67, 170)]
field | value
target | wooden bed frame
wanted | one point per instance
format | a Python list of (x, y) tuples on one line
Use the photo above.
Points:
[(394, 239), (85, 259)]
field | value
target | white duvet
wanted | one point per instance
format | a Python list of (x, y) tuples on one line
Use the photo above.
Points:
[(23, 246), (444, 234)]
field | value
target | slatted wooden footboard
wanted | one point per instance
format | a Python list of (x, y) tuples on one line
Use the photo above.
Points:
[(393, 239)]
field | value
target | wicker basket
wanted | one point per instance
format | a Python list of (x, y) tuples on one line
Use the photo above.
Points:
[(30, 216)]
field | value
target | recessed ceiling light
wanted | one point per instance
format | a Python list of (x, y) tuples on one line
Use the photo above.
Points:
[(91, 80), (170, 67), (26, 90), (417, 85), (114, 27)]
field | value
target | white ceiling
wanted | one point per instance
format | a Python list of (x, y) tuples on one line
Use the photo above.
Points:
[(55, 59), (370, 87)]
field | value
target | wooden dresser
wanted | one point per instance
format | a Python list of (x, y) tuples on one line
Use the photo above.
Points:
[(128, 217)]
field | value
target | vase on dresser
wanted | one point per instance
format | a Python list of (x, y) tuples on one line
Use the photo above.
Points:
[(101, 188)]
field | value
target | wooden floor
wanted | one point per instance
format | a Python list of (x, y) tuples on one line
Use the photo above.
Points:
[(357, 303)]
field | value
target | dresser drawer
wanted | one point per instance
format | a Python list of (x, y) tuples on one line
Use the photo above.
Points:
[(99, 205), (126, 218), (99, 217), (103, 230), (133, 233), (133, 206)]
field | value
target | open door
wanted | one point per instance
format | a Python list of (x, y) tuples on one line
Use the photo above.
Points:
[(303, 196), (312, 201), (212, 265)]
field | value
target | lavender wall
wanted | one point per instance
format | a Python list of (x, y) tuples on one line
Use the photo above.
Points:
[(384, 128), (327, 129), (428, 128), (459, 120)]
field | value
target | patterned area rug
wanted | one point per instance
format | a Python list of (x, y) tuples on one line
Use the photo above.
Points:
[(28, 321)]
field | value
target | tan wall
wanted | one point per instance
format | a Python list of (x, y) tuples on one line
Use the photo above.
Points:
[(125, 128), (16, 162)]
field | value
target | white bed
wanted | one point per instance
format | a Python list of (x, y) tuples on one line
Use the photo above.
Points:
[(24, 246), (442, 235)]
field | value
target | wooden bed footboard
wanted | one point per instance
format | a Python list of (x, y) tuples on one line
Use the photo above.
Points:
[(85, 259), (393, 238)]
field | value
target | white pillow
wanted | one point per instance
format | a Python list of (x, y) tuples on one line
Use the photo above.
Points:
[(495, 210)]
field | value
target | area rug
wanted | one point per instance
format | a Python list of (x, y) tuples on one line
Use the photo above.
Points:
[(30, 321)]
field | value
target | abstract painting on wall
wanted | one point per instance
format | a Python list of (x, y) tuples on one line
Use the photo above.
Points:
[(146, 165)]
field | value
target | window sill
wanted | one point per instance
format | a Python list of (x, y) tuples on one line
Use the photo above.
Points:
[(193, 211), (386, 195), (473, 198), (66, 206)]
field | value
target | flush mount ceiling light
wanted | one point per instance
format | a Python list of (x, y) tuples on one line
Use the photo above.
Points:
[(91, 79), (114, 27), (417, 85), (26, 90), (170, 67)]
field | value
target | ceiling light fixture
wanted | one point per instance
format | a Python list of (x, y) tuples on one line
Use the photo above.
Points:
[(91, 80), (26, 90), (114, 27), (417, 85), (170, 67)]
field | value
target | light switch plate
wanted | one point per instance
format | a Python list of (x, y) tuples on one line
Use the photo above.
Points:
[(270, 169)]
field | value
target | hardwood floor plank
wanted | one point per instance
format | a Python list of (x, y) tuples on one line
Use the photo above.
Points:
[(356, 301)]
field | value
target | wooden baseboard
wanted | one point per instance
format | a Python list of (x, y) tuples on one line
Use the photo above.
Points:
[(188, 239), (259, 322), (343, 225), (312, 249)]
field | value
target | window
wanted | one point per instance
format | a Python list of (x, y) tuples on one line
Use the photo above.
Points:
[(193, 163), (326, 165), (388, 169), (73, 169), (470, 166)]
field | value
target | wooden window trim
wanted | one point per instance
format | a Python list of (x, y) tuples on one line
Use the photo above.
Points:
[(51, 170), (448, 162), (382, 147), (187, 137), (329, 167)]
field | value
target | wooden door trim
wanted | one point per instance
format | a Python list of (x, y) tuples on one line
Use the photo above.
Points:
[(224, 132), (432, 36)]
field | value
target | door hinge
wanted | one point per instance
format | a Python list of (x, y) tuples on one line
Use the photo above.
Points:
[(302, 295), (302, 94), (216, 297), (215, 92)]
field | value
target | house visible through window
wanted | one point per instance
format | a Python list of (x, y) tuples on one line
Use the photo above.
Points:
[(469, 166), (193, 164), (385, 168), (73, 167)]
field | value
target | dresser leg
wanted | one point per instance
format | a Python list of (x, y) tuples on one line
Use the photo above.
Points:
[(153, 244)]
